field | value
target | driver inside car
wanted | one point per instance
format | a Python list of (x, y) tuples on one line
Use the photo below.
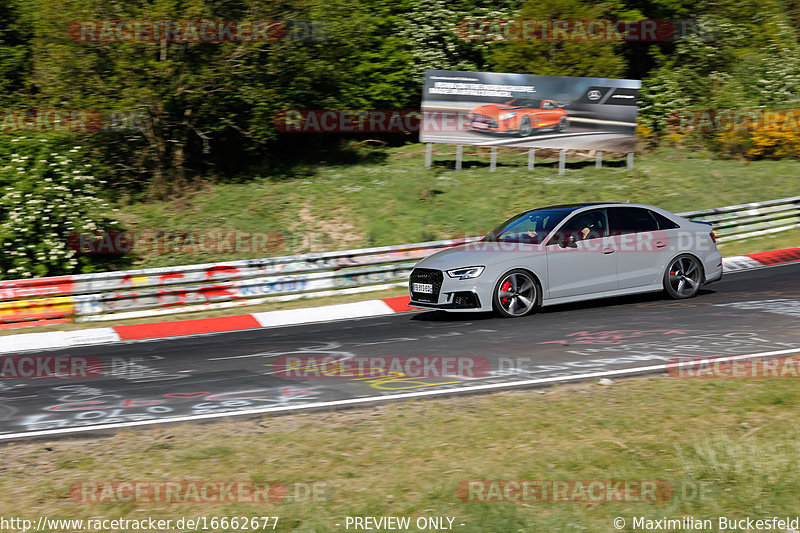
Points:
[(583, 227), (587, 226)]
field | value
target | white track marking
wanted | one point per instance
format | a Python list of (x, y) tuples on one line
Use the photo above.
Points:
[(323, 314), (403, 396)]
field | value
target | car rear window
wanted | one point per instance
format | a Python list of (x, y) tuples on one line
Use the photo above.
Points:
[(663, 222)]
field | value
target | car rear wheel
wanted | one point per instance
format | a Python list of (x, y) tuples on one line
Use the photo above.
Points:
[(525, 128), (562, 124), (683, 277), (516, 294)]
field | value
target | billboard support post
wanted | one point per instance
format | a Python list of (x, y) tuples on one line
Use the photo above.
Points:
[(598, 159), (428, 155), (562, 161), (531, 158), (630, 160), (459, 153), (493, 160)]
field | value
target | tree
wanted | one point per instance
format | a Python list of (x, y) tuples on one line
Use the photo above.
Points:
[(559, 58), (15, 54)]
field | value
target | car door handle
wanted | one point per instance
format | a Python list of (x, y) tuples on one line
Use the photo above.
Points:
[(661, 244), (608, 251)]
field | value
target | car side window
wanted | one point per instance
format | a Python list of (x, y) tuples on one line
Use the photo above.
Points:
[(664, 222), (592, 224), (548, 105), (632, 220)]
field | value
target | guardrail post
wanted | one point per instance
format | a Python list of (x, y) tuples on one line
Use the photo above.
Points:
[(428, 155), (630, 160), (493, 160), (531, 158), (598, 159), (459, 153), (562, 161)]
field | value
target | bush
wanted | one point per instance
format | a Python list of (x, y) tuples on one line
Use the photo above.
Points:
[(775, 136), (47, 193)]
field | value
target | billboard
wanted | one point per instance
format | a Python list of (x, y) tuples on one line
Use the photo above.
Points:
[(494, 109)]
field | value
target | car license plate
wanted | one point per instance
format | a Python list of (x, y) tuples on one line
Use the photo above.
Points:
[(480, 125), (425, 288)]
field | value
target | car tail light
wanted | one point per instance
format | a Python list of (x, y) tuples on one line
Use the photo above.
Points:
[(713, 237)]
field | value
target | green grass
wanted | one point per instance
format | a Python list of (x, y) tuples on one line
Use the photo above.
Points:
[(777, 241), (397, 201), (725, 446)]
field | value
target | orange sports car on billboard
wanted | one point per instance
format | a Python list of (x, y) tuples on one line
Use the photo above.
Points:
[(523, 116)]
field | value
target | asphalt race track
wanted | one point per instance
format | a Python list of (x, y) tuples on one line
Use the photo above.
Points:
[(202, 377)]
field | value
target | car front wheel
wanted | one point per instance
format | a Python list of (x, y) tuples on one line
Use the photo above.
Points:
[(525, 127), (683, 277), (516, 294)]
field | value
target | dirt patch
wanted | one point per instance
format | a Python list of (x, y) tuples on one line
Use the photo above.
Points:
[(333, 232)]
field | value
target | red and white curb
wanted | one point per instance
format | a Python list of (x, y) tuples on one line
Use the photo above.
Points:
[(760, 260), (52, 340)]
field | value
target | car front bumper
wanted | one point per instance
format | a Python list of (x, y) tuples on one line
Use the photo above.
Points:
[(450, 294)]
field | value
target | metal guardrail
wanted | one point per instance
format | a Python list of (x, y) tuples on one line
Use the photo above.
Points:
[(155, 291), (112, 295), (738, 222)]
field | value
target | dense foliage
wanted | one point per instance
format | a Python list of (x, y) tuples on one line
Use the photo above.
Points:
[(204, 111)]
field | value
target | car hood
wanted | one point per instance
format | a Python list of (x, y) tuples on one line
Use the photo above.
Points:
[(493, 109), (479, 253)]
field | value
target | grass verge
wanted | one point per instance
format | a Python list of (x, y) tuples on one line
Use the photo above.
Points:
[(397, 201), (725, 446)]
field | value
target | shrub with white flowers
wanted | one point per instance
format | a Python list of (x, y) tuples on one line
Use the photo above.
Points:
[(47, 192)]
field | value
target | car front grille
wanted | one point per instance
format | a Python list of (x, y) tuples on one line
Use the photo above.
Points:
[(426, 275), (486, 119)]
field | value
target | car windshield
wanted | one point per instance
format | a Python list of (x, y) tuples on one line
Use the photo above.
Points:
[(525, 102), (529, 227)]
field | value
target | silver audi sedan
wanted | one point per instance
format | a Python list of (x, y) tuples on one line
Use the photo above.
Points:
[(567, 253)]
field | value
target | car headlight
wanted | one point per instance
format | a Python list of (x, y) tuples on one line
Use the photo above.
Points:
[(466, 272), (506, 116)]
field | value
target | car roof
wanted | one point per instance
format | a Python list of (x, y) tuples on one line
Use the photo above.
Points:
[(577, 206), (573, 207)]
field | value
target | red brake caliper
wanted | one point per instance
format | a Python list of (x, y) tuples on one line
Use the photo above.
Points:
[(504, 287)]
